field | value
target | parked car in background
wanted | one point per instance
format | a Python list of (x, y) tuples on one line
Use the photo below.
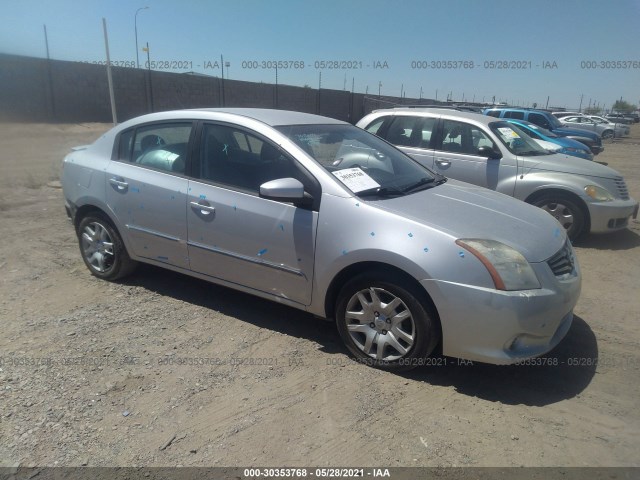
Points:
[(635, 117), (619, 118), (554, 142), (546, 120), (582, 122), (621, 130), (322, 216), (482, 150)]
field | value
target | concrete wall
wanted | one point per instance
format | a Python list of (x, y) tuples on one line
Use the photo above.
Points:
[(34, 89)]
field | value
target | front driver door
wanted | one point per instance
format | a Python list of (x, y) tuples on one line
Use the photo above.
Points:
[(237, 236), (456, 156)]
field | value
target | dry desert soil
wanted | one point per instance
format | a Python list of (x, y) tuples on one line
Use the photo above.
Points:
[(161, 369)]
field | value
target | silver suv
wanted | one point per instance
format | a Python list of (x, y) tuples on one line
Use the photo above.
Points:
[(583, 196)]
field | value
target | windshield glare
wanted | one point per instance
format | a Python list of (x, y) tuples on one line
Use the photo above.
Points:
[(516, 139), (339, 148)]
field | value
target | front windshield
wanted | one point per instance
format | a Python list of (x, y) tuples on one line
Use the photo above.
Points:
[(540, 130), (517, 140), (360, 160)]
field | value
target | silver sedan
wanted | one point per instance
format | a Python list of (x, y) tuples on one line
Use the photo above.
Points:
[(324, 217)]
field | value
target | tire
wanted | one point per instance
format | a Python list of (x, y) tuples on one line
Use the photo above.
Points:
[(400, 337), (566, 211), (608, 135), (102, 248)]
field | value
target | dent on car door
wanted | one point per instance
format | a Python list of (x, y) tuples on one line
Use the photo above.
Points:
[(147, 190), (237, 236), (456, 156)]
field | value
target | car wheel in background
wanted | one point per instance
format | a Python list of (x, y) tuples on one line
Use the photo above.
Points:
[(608, 134), (383, 322), (566, 211), (102, 249)]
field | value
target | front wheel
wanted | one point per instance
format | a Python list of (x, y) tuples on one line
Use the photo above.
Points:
[(566, 211), (383, 322), (608, 134), (102, 248)]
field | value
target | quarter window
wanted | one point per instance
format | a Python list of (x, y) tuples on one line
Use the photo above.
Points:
[(163, 147), (374, 126)]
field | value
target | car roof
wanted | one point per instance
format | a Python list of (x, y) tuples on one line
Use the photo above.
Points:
[(268, 116), (443, 112)]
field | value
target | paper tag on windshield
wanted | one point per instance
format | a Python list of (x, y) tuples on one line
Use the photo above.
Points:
[(509, 133), (355, 179)]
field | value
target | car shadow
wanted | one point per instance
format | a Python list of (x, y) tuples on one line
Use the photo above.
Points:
[(561, 374), (243, 306), (621, 240), (566, 372)]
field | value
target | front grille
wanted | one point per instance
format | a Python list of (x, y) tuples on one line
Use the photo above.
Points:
[(622, 188), (562, 263)]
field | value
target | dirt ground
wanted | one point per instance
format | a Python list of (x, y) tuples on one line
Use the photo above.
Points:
[(163, 370)]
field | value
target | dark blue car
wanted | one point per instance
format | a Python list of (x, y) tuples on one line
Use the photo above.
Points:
[(568, 145)]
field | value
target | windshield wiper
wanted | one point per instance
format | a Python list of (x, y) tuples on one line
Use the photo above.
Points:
[(380, 192), (421, 184)]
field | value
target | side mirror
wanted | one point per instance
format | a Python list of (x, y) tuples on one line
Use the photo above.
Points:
[(489, 152), (285, 190)]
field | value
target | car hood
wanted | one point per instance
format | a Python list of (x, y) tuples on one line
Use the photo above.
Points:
[(570, 142), (566, 164), (576, 132), (466, 211)]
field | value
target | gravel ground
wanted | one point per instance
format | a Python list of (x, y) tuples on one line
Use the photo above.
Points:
[(163, 370)]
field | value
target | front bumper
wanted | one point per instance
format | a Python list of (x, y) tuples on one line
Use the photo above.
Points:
[(501, 327), (611, 216), (596, 149)]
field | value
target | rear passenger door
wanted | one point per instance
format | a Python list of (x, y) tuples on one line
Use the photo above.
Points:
[(147, 190), (456, 156)]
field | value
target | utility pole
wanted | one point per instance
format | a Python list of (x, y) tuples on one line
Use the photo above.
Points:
[(109, 79), (580, 108)]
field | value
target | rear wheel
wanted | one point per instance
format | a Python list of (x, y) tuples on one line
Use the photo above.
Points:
[(383, 322), (102, 248), (566, 211), (608, 134)]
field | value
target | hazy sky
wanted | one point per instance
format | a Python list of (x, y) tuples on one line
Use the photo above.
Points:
[(562, 35)]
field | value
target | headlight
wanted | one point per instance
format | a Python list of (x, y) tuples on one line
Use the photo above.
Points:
[(598, 193), (507, 267)]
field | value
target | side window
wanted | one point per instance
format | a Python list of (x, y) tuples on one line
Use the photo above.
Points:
[(517, 115), (162, 146), (494, 113), (539, 120), (464, 138), (428, 126), (124, 148), (452, 136), (374, 126), (403, 131), (243, 161)]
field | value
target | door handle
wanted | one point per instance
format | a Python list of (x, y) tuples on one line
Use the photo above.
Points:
[(443, 162), (205, 209), (121, 184)]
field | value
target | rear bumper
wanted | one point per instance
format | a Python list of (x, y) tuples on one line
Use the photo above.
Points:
[(612, 216)]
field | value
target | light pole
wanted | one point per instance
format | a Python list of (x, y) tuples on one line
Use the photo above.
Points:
[(135, 23)]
